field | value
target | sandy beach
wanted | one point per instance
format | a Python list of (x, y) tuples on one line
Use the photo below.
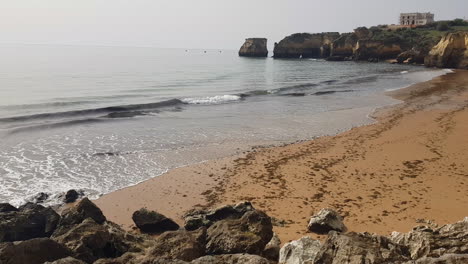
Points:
[(411, 164)]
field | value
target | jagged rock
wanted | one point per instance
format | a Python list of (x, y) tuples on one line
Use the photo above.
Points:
[(153, 222), (445, 259), (326, 220), (6, 207), (249, 234), (205, 218), (72, 195), (450, 52), (90, 241), (305, 45), (254, 47), (182, 245), (29, 222), (34, 251), (272, 249), (411, 57), (300, 251), (231, 259), (67, 260), (77, 214), (380, 50), (358, 248), (427, 242), (40, 197)]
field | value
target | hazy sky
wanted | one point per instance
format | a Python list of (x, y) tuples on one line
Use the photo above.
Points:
[(197, 23)]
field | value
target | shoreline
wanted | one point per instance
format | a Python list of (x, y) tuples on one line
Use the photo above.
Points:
[(291, 182)]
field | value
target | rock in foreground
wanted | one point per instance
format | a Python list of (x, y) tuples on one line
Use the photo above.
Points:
[(326, 220), (254, 47), (153, 222)]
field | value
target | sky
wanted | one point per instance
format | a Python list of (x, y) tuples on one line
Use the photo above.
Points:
[(218, 24)]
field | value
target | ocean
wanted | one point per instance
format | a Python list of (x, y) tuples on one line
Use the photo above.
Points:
[(104, 118)]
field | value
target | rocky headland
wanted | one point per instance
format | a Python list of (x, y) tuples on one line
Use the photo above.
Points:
[(34, 234), (254, 47)]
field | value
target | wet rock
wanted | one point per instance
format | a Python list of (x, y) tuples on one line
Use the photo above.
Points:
[(357, 248), (72, 195), (90, 241), (326, 220), (249, 234), (424, 241), (34, 251), (231, 259), (68, 260), (205, 218), (254, 47), (29, 222), (153, 222), (181, 244), (40, 197), (272, 249), (6, 207), (300, 251), (77, 214)]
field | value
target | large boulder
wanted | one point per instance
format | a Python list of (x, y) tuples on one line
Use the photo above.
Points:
[(72, 195), (249, 234), (231, 259), (182, 245), (299, 251), (29, 222), (90, 241), (6, 207), (305, 45), (153, 222), (272, 249), (358, 248), (77, 214), (427, 242), (205, 218), (326, 220), (450, 52), (254, 47), (34, 251)]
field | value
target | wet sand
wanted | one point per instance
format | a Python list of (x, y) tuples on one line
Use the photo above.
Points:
[(410, 165)]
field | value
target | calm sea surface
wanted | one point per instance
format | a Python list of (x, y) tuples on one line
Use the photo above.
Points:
[(104, 118)]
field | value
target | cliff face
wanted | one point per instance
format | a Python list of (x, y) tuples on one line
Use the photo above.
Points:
[(370, 49), (254, 47), (450, 52), (345, 45), (305, 45)]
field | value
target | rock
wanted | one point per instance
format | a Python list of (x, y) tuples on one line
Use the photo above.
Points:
[(427, 242), (231, 259), (300, 251), (77, 214), (249, 234), (450, 52), (272, 249), (336, 58), (182, 245), (254, 47), (205, 218), (305, 45), (344, 46), (67, 260), (40, 197), (90, 241), (362, 33), (445, 259), (377, 50), (326, 220), (153, 222), (6, 207), (34, 251), (72, 195), (358, 248), (411, 57), (29, 222)]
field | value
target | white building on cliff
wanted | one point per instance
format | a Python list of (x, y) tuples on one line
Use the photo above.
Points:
[(416, 19)]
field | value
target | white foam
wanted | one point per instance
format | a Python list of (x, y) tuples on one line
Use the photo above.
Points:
[(218, 99), (404, 72)]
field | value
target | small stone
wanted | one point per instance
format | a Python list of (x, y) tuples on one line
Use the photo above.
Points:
[(325, 221)]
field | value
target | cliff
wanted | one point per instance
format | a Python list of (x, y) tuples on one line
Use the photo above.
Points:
[(305, 45), (254, 47), (450, 52)]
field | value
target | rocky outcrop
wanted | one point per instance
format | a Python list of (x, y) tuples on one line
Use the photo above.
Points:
[(231, 259), (67, 260), (31, 221), (272, 249), (344, 46), (254, 47), (299, 251), (38, 250), (305, 45), (376, 50), (450, 52), (326, 220), (72, 195), (153, 222), (411, 57)]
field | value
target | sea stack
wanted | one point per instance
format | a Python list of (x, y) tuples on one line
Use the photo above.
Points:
[(254, 47)]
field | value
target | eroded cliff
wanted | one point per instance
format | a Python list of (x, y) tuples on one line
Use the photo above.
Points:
[(305, 45), (450, 52), (254, 47)]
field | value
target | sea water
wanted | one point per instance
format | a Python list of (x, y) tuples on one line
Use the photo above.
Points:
[(104, 118)]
